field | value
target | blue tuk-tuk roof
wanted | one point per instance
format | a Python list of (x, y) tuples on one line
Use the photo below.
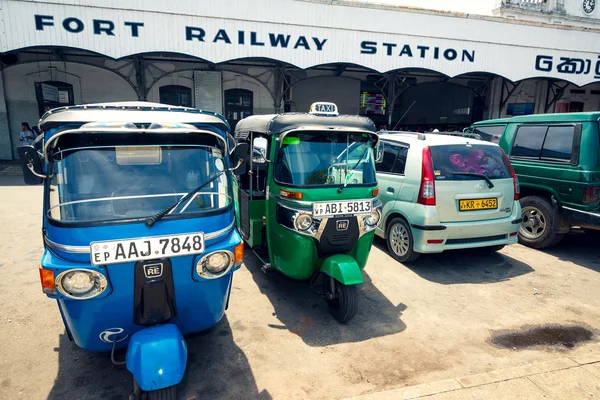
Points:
[(136, 112)]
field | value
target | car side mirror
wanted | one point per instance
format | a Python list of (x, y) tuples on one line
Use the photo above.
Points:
[(379, 153), (259, 150), (239, 159), (31, 163)]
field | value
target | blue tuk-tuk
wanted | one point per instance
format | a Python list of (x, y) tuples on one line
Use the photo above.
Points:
[(139, 232)]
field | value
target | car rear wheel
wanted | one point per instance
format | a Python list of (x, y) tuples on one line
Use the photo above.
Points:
[(539, 221), (399, 241)]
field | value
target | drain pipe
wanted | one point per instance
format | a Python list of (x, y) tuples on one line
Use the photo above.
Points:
[(10, 138)]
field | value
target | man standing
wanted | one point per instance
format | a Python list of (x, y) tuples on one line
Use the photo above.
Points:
[(27, 136)]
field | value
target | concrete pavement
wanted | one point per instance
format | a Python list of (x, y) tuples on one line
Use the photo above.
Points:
[(573, 377)]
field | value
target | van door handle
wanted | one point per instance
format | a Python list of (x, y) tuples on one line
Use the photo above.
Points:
[(390, 190)]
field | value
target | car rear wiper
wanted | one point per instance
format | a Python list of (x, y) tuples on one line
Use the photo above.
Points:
[(154, 219), (482, 176)]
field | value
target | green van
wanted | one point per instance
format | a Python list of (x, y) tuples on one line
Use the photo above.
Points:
[(556, 158)]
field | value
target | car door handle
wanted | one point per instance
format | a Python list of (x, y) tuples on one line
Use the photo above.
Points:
[(390, 190)]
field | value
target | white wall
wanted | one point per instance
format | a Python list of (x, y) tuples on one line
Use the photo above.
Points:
[(344, 92), (90, 85)]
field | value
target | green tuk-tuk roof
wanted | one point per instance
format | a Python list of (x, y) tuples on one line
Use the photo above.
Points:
[(544, 118), (275, 124)]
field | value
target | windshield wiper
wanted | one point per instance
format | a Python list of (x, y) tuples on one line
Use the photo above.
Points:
[(482, 176), (154, 219), (353, 168)]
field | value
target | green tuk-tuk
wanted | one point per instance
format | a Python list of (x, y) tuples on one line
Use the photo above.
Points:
[(307, 203)]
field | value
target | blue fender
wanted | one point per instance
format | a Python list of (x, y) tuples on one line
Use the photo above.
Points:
[(343, 268), (157, 356)]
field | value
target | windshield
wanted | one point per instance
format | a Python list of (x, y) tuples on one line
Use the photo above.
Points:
[(325, 158), (129, 182)]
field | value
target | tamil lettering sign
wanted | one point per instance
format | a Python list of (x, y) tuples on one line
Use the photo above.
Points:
[(305, 34)]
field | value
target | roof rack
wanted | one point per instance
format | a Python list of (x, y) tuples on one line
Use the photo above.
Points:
[(420, 136)]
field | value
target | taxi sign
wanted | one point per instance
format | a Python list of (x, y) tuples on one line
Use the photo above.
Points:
[(323, 108)]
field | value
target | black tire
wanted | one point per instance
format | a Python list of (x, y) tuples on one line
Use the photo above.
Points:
[(540, 223), (169, 393), (399, 240), (344, 306)]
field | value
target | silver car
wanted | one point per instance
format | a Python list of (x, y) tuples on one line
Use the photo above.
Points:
[(443, 193)]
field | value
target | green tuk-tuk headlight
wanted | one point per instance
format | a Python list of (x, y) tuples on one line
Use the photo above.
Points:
[(303, 222), (374, 218)]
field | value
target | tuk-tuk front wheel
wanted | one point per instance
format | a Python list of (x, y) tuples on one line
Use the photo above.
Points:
[(344, 302), (169, 393)]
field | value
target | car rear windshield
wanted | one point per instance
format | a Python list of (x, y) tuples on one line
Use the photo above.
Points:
[(459, 162)]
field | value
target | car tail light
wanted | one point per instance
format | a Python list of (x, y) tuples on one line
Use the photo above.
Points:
[(427, 190), (517, 188), (590, 194)]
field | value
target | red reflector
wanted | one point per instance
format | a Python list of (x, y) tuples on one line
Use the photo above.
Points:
[(375, 192), (514, 233), (435, 241), (590, 194)]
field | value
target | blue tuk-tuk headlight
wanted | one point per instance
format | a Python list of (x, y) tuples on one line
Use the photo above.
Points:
[(81, 284), (215, 264)]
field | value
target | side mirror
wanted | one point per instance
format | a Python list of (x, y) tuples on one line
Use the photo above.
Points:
[(31, 165), (259, 150), (231, 142), (239, 159), (379, 153)]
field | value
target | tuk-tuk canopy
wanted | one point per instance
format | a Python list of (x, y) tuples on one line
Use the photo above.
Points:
[(136, 112), (275, 124)]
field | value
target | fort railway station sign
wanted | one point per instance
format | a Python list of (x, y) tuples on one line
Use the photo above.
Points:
[(305, 34)]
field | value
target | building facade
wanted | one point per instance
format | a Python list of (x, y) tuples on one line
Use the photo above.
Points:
[(400, 66)]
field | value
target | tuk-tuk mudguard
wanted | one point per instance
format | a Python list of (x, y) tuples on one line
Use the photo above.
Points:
[(157, 357), (342, 268)]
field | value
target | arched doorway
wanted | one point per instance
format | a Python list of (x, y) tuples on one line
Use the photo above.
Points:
[(176, 95), (53, 94), (239, 104)]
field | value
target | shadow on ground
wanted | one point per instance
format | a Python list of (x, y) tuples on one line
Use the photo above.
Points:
[(464, 266), (12, 180), (217, 369), (579, 248), (305, 314)]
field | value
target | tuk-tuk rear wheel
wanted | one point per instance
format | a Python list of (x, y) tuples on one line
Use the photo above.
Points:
[(344, 304)]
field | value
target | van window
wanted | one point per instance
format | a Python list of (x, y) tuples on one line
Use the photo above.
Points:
[(490, 133), (559, 143), (544, 142), (394, 159), (529, 141), (454, 162)]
